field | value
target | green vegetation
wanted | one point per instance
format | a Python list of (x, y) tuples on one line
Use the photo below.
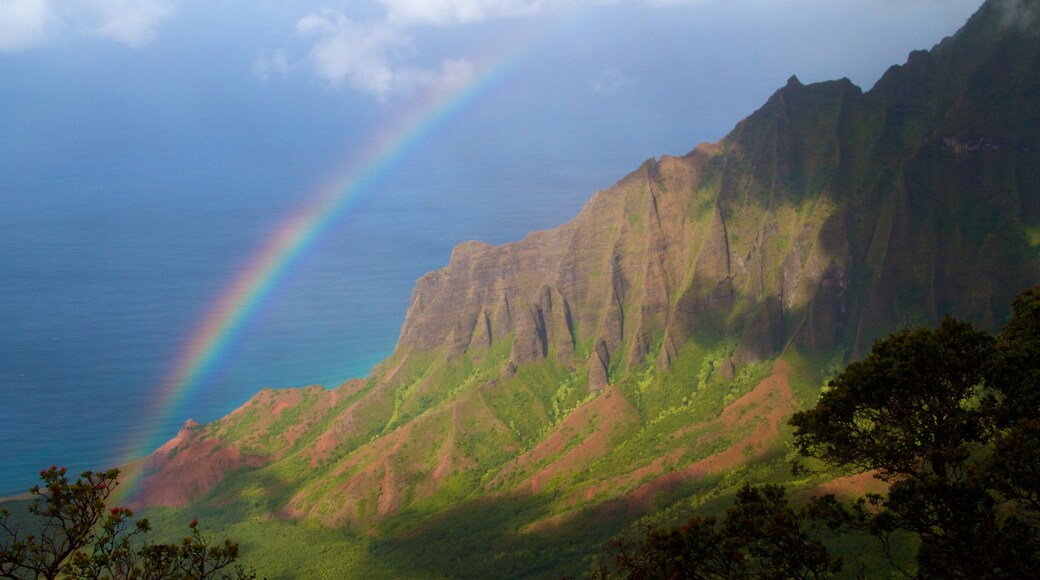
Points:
[(946, 418), (482, 519), (761, 536), (950, 420), (73, 534)]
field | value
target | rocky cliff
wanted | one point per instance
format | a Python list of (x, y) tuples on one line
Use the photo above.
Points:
[(825, 218), (663, 335)]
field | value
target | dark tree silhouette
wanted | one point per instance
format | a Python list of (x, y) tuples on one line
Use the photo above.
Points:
[(949, 419), (74, 534), (761, 536)]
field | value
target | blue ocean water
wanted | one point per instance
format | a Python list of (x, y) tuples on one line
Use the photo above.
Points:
[(96, 305), (127, 209), (136, 185)]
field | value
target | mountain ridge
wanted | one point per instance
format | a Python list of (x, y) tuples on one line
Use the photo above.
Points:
[(661, 338)]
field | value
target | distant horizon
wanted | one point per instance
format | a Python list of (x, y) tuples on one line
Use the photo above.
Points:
[(153, 148)]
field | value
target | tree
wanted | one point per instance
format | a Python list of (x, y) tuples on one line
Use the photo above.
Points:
[(74, 534), (949, 419), (761, 536)]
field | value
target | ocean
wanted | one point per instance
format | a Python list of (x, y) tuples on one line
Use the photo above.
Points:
[(96, 304), (129, 211)]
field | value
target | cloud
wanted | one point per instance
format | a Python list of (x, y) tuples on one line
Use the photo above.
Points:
[(27, 24), (349, 52), (131, 22), (24, 24), (368, 55), (449, 12), (372, 55), (673, 2), (446, 12), (1019, 15)]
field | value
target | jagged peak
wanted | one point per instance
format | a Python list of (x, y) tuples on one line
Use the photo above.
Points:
[(991, 37), (788, 103), (794, 86)]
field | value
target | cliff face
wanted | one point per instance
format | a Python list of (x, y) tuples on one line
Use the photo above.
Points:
[(593, 293), (666, 332), (826, 218)]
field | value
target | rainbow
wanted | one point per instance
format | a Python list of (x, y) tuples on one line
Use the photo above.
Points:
[(205, 348)]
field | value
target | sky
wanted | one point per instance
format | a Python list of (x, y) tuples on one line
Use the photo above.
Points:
[(240, 84), (151, 150)]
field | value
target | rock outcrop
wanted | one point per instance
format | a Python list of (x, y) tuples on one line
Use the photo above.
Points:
[(827, 217)]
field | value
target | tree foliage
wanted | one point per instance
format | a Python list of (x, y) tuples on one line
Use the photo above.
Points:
[(949, 419), (910, 408), (760, 536), (75, 535)]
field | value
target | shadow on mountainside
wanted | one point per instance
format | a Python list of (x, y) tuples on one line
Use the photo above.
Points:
[(491, 538)]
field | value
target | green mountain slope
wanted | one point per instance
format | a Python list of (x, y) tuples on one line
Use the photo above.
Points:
[(643, 359)]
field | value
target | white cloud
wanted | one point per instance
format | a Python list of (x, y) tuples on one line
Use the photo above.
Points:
[(454, 12), (373, 55), (349, 52), (131, 22), (368, 56), (24, 23), (444, 12), (673, 2), (29, 23)]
